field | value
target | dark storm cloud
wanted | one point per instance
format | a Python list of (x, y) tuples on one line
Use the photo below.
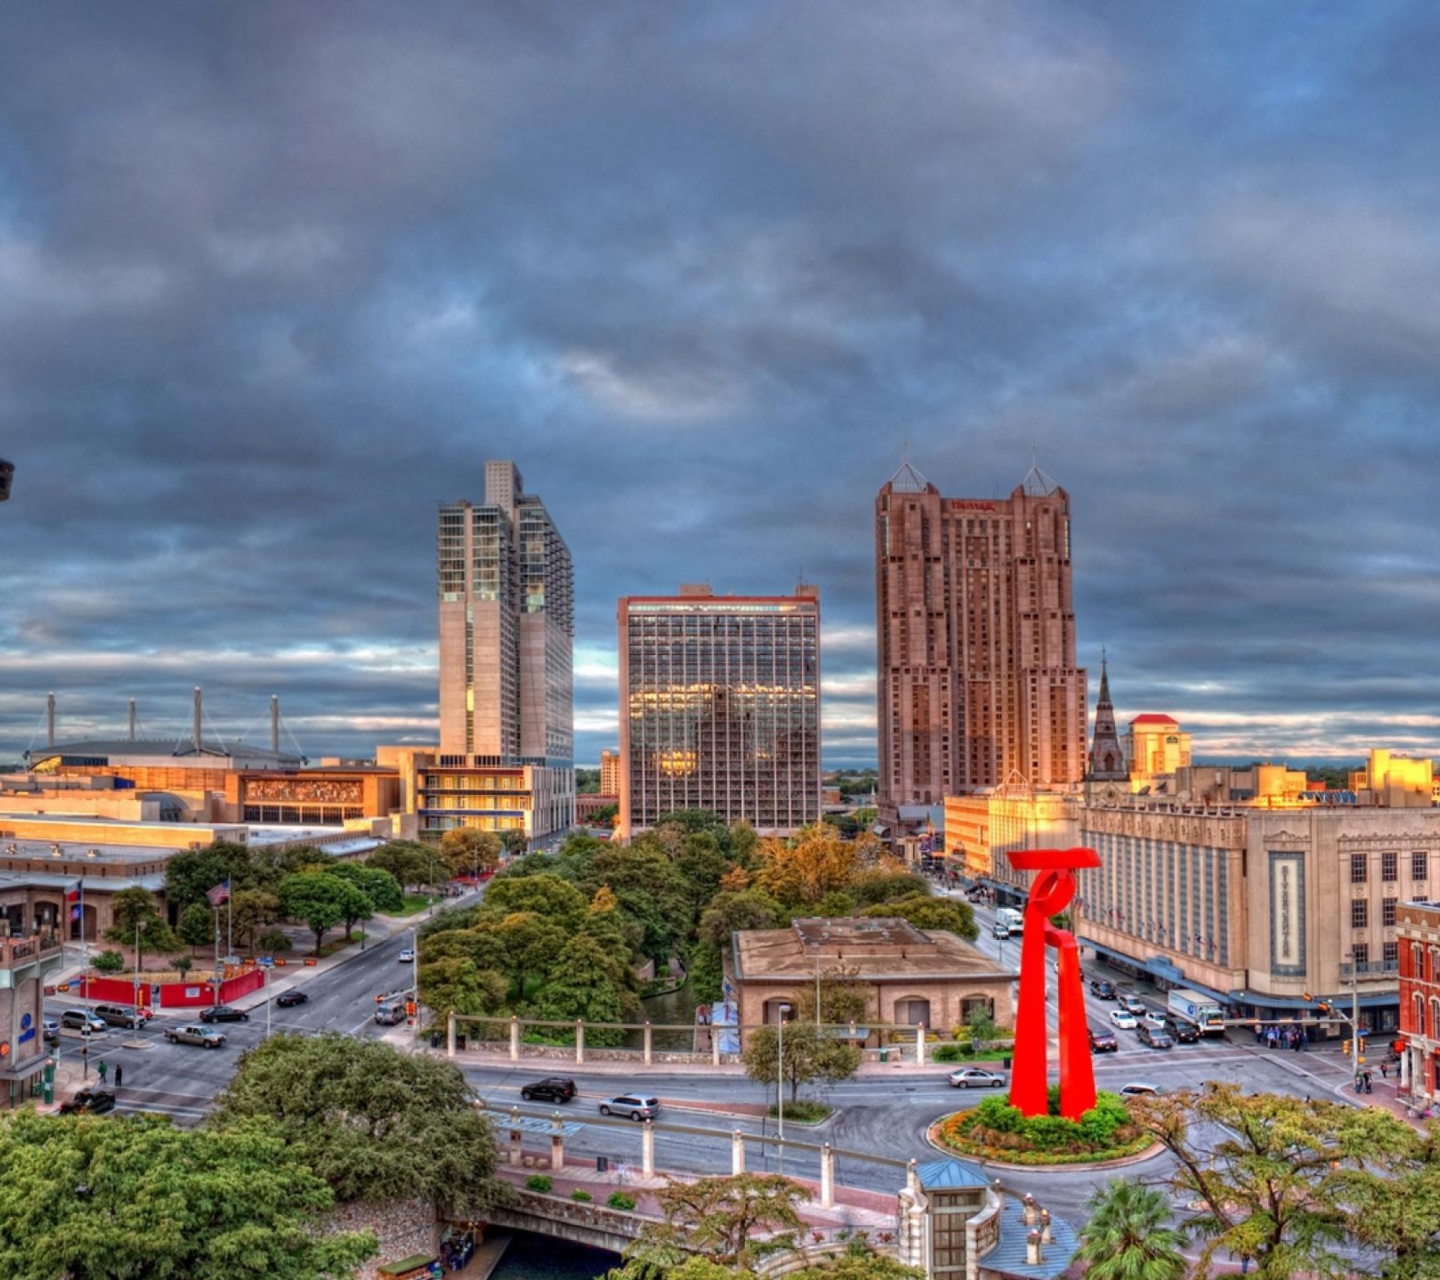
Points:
[(276, 279)]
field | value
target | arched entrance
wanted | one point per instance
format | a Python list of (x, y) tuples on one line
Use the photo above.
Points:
[(912, 1011)]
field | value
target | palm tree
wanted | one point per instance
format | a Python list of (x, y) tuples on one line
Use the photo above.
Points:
[(1127, 1236)]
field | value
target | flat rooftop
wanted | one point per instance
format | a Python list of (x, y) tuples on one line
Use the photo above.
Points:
[(868, 948)]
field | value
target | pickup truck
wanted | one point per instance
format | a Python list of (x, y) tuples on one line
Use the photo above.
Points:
[(195, 1033)]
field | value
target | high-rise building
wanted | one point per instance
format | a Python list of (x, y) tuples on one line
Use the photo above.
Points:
[(976, 634), (506, 653), (720, 708), (609, 772)]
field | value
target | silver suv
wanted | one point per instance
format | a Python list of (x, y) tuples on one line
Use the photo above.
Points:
[(635, 1105), (83, 1021)]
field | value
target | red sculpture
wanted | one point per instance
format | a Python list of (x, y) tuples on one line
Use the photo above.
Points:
[(1051, 893)]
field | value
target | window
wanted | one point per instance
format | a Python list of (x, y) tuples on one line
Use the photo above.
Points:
[(1361, 956), (1357, 868), (1392, 957), (1389, 866), (1419, 866), (1359, 913), (1387, 911)]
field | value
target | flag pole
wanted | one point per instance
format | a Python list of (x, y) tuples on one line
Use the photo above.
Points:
[(229, 919)]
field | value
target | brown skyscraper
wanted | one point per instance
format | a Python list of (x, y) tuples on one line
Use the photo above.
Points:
[(976, 634)]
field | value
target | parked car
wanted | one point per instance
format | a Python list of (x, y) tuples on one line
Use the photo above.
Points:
[(1103, 988), (1138, 1089), (1147, 1034), (120, 1015), (1123, 1019), (223, 1013), (550, 1089), (95, 1101), (288, 999), (195, 1033), (635, 1105), (1103, 1042), (975, 1078), (83, 1021), (406, 956)]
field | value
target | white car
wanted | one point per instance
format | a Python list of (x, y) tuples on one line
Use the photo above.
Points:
[(1140, 1090), (407, 956), (1123, 1019)]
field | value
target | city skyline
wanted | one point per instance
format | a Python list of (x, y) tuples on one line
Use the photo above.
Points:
[(275, 282)]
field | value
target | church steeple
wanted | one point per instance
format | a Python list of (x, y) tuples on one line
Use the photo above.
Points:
[(1107, 760)]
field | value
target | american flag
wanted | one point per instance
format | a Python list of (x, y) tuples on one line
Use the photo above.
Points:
[(220, 893)]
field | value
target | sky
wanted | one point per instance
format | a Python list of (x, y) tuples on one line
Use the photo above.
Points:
[(277, 279)]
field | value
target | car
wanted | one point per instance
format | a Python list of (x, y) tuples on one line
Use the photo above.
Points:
[(637, 1106), (288, 999), (120, 1015), (1103, 1042), (1123, 1019), (94, 1101), (975, 1078), (83, 1021), (407, 955), (1103, 988), (1156, 1039), (550, 1089), (223, 1013), (50, 1027), (390, 1013), (195, 1033), (1136, 1005), (1138, 1089), (1184, 1032)]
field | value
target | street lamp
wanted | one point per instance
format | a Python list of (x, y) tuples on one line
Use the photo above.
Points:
[(780, 1090)]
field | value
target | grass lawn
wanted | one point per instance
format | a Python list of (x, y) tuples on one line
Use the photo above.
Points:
[(415, 903)]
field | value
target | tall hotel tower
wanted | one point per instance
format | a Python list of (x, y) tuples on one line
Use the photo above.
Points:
[(506, 683), (978, 685), (720, 708)]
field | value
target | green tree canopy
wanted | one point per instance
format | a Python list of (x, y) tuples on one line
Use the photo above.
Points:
[(587, 982), (467, 851), (925, 912), (546, 895), (377, 884), (138, 919), (251, 911), (809, 1053), (197, 924), (454, 984), (1128, 1236), (735, 1220), (91, 1198), (375, 1123), (407, 860), (321, 901)]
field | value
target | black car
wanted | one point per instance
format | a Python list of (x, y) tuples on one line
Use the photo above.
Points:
[(1103, 1042), (551, 1089), (1184, 1032), (287, 999), (1103, 988), (94, 1101), (223, 1013)]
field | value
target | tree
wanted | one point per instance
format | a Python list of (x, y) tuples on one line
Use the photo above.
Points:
[(192, 873), (735, 1220), (925, 912), (182, 964), (1276, 1175), (197, 924), (546, 895), (108, 962), (251, 911), (317, 899), (89, 1199), (1128, 1237), (586, 982), (529, 944), (453, 984), (810, 1053), (804, 868), (467, 851), (378, 885), (139, 923), (375, 1123), (406, 860), (272, 941), (858, 1266)]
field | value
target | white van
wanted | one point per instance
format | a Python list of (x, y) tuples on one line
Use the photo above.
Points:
[(387, 1015), (1012, 921)]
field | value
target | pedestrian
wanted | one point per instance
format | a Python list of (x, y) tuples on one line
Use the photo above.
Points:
[(1384, 1071), (101, 1069), (1359, 1083), (119, 1073), (1368, 1088), (1297, 1043)]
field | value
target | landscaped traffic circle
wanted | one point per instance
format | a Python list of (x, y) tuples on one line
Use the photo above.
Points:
[(996, 1131)]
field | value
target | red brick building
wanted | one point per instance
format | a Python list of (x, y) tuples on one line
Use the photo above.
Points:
[(1417, 930)]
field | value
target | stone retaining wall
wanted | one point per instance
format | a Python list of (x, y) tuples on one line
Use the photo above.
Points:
[(401, 1227)]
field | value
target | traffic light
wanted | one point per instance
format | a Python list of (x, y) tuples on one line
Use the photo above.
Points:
[(1345, 1046), (1323, 1008), (1308, 997)]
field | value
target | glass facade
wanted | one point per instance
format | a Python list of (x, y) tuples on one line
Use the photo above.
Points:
[(723, 709)]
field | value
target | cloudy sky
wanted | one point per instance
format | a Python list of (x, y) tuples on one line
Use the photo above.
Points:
[(275, 279)]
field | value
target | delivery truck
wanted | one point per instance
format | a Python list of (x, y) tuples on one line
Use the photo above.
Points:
[(1202, 1010)]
